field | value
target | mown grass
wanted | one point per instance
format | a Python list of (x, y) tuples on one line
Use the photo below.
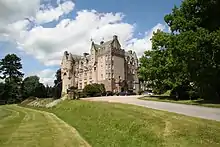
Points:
[(104, 124), (22, 127), (198, 102), (9, 122)]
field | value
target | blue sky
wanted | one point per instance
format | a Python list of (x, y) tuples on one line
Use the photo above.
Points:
[(144, 13), (40, 55)]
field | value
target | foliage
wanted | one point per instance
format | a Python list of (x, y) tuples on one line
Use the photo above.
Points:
[(95, 89), (14, 89), (80, 94), (32, 87), (189, 54), (48, 91), (2, 91), (57, 89), (10, 67)]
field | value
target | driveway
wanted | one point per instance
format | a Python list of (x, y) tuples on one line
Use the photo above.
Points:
[(190, 110)]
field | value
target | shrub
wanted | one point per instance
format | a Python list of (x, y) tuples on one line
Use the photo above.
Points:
[(140, 92), (184, 92), (93, 90)]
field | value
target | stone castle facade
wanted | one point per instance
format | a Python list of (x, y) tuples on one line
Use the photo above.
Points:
[(107, 63)]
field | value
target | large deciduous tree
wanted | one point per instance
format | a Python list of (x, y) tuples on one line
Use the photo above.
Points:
[(190, 54), (31, 86)]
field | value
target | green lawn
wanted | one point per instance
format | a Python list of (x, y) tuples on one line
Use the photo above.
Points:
[(119, 125), (187, 102), (22, 127)]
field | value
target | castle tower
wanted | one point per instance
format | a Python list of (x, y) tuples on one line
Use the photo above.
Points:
[(118, 62), (67, 72)]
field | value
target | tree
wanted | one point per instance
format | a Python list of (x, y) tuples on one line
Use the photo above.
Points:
[(2, 92), (190, 54), (197, 27), (49, 91), (57, 85), (10, 67), (31, 86)]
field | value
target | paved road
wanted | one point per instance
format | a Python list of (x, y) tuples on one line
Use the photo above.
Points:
[(190, 110), (23, 127)]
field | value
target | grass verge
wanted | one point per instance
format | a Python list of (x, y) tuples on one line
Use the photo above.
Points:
[(104, 124), (187, 102)]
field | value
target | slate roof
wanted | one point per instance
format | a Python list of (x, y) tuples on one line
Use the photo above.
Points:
[(97, 46)]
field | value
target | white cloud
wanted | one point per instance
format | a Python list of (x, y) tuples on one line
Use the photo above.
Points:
[(48, 44), (16, 10), (48, 15), (74, 35), (47, 76), (141, 45)]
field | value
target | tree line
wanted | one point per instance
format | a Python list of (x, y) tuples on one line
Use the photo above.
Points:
[(15, 88), (186, 60)]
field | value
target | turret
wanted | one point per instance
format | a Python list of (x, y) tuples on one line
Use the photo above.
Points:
[(64, 59), (115, 42), (70, 57), (67, 71)]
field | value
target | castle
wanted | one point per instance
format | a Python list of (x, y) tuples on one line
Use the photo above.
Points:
[(107, 63)]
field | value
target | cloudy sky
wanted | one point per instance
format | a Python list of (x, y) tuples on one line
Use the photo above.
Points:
[(39, 31)]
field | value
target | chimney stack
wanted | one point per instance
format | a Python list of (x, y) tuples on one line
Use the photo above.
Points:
[(115, 37)]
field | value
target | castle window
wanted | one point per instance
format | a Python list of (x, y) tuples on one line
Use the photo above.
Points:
[(94, 68), (80, 85), (64, 74)]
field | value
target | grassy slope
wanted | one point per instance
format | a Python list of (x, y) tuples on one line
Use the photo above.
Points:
[(187, 102), (24, 128), (104, 124)]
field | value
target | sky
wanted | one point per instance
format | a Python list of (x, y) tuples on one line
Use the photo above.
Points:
[(39, 31)]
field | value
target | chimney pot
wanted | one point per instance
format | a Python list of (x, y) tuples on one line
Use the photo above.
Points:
[(102, 42)]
